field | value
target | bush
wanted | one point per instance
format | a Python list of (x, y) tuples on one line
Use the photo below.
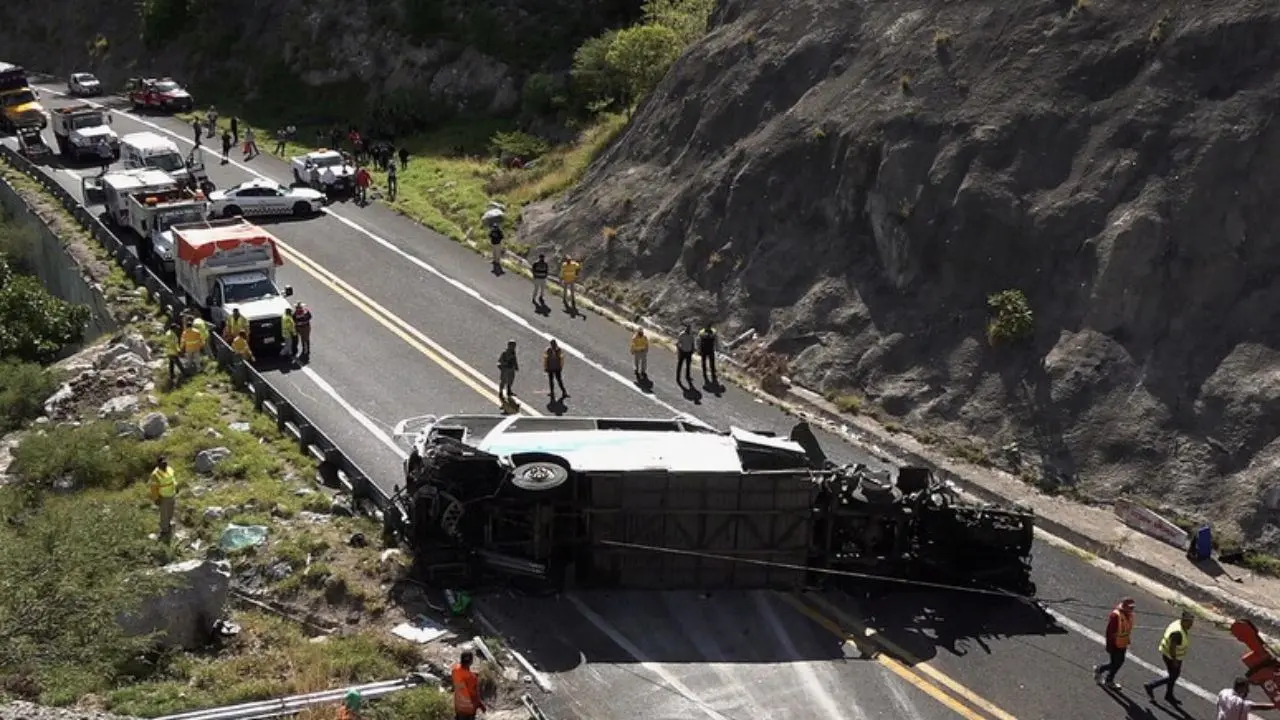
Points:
[(164, 20), (518, 144), (596, 84), (1011, 320), (686, 18), (541, 95), (426, 703), (23, 389), (90, 456), (34, 325), (640, 57)]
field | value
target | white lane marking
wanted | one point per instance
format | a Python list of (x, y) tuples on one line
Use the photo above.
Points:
[(906, 706), (1211, 698), (801, 667), (456, 284), (702, 635), (642, 658), (355, 413)]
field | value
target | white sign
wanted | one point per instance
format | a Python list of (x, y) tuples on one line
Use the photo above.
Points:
[(1151, 523)]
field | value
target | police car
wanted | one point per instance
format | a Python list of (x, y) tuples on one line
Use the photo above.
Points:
[(324, 170), (264, 198)]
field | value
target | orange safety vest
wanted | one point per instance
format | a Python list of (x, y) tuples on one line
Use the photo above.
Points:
[(465, 688), (1124, 625)]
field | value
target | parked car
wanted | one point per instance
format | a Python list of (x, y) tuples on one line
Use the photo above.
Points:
[(83, 84)]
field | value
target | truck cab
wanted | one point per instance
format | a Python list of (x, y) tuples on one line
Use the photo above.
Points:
[(113, 190), (225, 265), (80, 129), (152, 214), (19, 102)]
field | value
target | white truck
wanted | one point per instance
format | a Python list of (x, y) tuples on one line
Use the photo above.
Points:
[(80, 129), (325, 170), (113, 190), (224, 265), (153, 215), (148, 150)]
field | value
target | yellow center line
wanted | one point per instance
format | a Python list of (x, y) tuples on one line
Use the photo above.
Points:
[(415, 338), (923, 667), (891, 664)]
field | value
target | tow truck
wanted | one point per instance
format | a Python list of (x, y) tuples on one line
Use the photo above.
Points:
[(158, 94), (224, 265), (80, 129), (19, 103)]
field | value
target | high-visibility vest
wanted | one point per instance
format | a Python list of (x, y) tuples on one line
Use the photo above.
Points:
[(201, 327), (172, 347), (287, 325), (569, 271), (639, 343), (1124, 625), (240, 346), (192, 341), (235, 325), (464, 684), (1167, 648), (163, 483)]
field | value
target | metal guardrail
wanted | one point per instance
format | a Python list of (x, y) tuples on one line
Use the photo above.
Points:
[(335, 466)]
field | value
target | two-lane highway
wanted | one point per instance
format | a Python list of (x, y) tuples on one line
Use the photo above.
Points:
[(409, 323)]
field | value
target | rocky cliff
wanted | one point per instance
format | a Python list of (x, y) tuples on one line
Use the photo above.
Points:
[(854, 180), (419, 59)]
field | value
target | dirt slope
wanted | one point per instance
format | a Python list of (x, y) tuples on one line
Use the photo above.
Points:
[(854, 179)]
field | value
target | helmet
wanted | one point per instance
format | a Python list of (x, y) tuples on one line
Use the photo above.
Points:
[(352, 700)]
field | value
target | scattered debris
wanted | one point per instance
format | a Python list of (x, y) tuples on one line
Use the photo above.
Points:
[(238, 537), (421, 631)]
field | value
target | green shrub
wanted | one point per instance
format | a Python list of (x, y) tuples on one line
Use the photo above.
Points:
[(518, 144), (541, 95), (1011, 319), (596, 84), (90, 456), (426, 703), (34, 325), (640, 57), (686, 18), (164, 20), (23, 389)]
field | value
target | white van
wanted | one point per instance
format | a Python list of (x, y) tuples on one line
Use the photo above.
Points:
[(147, 150)]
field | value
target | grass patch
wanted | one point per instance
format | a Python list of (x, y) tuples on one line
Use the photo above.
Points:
[(424, 703), (23, 387), (848, 404)]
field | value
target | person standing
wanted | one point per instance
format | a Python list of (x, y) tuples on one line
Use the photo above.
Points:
[(508, 366), (201, 327), (282, 137), (362, 186), (227, 142), (404, 157), (105, 158), (393, 185), (289, 331), (236, 324), (195, 128), (466, 689), (640, 354), (553, 363), (495, 246), (164, 491), (235, 129), (173, 352), (684, 355), (192, 344), (569, 270), (302, 320), (250, 144), (211, 120), (1119, 628), (540, 271), (1173, 650), (1233, 703), (707, 351)]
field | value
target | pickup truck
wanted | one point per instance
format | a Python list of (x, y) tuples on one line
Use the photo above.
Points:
[(80, 129), (163, 94)]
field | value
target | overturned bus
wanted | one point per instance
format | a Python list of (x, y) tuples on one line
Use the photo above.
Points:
[(671, 504)]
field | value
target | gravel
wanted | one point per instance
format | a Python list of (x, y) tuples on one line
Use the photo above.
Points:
[(30, 711)]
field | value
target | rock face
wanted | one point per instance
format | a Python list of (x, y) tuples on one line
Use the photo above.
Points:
[(183, 615), (438, 56), (854, 180)]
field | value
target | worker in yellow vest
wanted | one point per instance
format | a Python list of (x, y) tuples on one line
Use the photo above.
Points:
[(236, 324), (569, 270), (1173, 650), (201, 327), (164, 491), (173, 351), (192, 341), (640, 354), (240, 346), (289, 331)]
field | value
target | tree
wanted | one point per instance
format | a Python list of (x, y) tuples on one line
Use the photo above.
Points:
[(594, 81), (641, 56), (34, 325), (686, 18)]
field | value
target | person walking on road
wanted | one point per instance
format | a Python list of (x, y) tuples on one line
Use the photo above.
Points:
[(466, 689), (1119, 627), (250, 144), (569, 270), (1233, 703), (227, 144), (495, 246), (164, 491), (553, 363), (684, 356), (197, 130), (393, 184), (302, 321), (508, 366), (540, 272), (105, 158), (1173, 650), (640, 354), (362, 186), (707, 351), (235, 129)]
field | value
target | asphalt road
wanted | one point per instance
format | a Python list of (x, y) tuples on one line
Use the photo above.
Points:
[(408, 322)]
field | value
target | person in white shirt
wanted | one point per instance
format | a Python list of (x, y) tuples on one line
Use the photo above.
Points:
[(1233, 704)]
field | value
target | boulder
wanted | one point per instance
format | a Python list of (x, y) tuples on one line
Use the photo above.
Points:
[(55, 402), (8, 444), (154, 425), (115, 354), (206, 460), (1270, 499), (183, 614), (128, 429), (118, 406), (137, 345)]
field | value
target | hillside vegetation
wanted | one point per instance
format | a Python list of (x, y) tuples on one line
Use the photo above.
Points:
[(1044, 225)]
